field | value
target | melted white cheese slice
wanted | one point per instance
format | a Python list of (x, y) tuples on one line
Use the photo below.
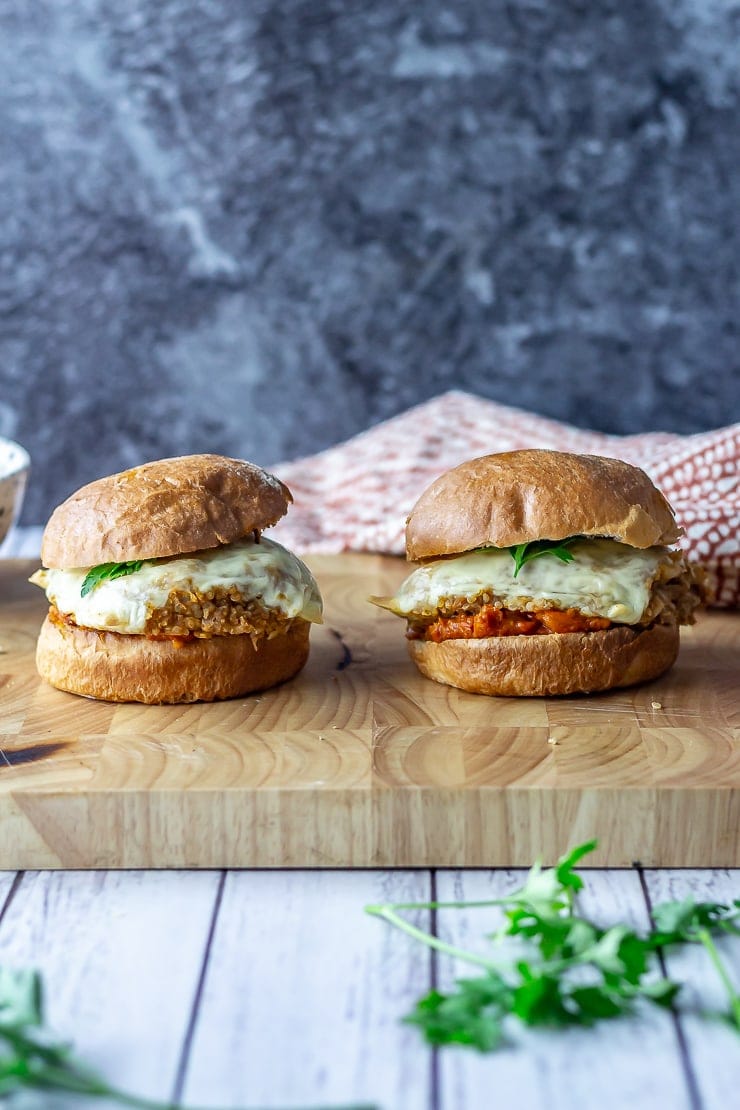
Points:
[(264, 571), (605, 579)]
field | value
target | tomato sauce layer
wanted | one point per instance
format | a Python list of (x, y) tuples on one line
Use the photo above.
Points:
[(490, 621)]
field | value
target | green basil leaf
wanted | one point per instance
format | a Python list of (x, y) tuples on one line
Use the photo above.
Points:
[(108, 571), (523, 552)]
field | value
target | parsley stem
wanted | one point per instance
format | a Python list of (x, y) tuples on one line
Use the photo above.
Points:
[(388, 914), (437, 905), (711, 948)]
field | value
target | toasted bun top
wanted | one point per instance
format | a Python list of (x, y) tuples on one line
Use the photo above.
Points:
[(168, 507), (518, 496)]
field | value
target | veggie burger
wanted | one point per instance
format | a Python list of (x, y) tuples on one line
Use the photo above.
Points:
[(163, 588), (544, 572)]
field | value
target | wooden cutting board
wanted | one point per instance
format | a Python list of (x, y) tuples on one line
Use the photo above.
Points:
[(361, 762)]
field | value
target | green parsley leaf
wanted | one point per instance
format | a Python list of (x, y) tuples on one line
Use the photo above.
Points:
[(108, 571), (661, 991), (523, 552), (538, 998), (591, 1004), (20, 997), (690, 922), (564, 872), (681, 921), (470, 1015)]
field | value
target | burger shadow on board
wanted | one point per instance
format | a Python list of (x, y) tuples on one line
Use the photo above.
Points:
[(163, 589)]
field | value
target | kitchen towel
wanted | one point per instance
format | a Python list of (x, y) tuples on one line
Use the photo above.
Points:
[(356, 496)]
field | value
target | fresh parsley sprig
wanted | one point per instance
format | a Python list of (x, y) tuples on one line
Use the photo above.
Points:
[(107, 571), (689, 922), (523, 552), (573, 972), (31, 1060)]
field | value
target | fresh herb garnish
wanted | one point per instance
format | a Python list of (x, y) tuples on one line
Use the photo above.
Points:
[(690, 922), (108, 571), (523, 552), (573, 971), (31, 1060)]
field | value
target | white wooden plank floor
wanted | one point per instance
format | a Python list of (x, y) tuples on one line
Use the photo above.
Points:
[(306, 990), (274, 989)]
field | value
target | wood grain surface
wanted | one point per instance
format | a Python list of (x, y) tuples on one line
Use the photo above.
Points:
[(361, 762)]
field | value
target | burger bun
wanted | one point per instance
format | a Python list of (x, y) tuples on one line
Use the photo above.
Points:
[(558, 663), (122, 668), (518, 496), (168, 507)]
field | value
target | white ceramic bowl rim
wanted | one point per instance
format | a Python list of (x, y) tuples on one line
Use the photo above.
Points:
[(13, 458)]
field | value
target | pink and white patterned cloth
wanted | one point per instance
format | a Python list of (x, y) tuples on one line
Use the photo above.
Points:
[(356, 496)]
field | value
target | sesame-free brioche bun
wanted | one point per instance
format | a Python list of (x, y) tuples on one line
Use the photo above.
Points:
[(191, 505), (120, 668), (168, 507), (518, 496), (536, 666)]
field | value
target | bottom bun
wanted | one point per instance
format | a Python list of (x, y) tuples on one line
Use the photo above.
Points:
[(565, 663), (114, 667)]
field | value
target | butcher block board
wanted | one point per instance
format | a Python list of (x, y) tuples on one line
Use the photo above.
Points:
[(361, 762)]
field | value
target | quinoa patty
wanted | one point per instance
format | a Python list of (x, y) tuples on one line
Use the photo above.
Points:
[(217, 612)]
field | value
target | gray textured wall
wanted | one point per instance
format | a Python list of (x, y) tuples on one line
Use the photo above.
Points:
[(259, 227)]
